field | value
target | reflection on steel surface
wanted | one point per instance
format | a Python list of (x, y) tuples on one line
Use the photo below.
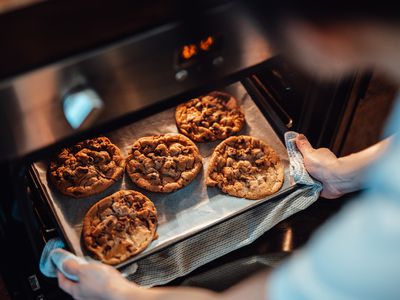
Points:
[(128, 77), (78, 106)]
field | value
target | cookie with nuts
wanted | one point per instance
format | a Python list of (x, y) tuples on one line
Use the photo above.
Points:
[(163, 163), (87, 168), (244, 166), (120, 226), (211, 117)]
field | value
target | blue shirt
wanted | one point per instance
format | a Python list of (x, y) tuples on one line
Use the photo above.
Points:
[(356, 255)]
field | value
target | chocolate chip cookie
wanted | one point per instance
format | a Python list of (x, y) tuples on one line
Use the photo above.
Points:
[(120, 226), (212, 117), (87, 168), (244, 166), (163, 163)]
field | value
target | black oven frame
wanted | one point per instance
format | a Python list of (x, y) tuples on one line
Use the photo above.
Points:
[(38, 225)]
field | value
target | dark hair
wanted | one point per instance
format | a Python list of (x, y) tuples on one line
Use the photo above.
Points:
[(272, 14), (326, 11)]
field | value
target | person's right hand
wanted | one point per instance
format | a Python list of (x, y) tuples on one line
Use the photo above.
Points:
[(323, 165), (339, 175)]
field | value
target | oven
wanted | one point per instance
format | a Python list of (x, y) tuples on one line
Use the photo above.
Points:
[(124, 74)]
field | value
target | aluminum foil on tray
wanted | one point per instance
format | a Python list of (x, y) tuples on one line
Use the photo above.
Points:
[(182, 213)]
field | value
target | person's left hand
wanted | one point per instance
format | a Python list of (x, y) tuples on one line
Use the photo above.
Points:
[(324, 166), (96, 281)]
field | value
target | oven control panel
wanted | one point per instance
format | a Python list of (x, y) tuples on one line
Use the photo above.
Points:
[(121, 81)]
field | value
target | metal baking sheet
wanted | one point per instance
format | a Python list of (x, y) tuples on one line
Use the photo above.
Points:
[(182, 213)]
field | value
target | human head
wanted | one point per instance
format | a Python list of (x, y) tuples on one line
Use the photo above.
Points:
[(334, 37)]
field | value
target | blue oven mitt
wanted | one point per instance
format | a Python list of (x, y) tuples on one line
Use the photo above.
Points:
[(53, 257)]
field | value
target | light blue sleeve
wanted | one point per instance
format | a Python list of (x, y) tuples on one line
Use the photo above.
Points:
[(356, 255)]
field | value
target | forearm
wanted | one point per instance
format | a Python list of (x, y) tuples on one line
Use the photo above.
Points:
[(180, 293), (338, 175), (253, 288), (350, 169), (131, 291)]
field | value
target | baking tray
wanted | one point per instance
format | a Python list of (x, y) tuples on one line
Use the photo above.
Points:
[(180, 214)]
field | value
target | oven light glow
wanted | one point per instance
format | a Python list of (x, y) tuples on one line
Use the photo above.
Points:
[(207, 43), (189, 51), (198, 49)]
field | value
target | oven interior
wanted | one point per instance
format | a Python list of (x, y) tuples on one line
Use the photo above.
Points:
[(283, 97)]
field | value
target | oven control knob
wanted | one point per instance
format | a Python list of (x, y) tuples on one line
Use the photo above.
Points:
[(219, 60), (181, 75)]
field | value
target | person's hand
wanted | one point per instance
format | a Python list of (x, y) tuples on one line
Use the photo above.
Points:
[(96, 281), (323, 165)]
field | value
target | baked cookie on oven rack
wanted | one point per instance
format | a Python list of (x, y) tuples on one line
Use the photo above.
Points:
[(244, 166), (163, 163), (120, 226), (211, 117), (87, 168)]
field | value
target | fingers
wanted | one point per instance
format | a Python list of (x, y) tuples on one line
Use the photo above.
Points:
[(65, 284), (71, 267), (303, 144)]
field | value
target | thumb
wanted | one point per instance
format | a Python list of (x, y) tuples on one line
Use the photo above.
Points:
[(303, 144), (71, 267)]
